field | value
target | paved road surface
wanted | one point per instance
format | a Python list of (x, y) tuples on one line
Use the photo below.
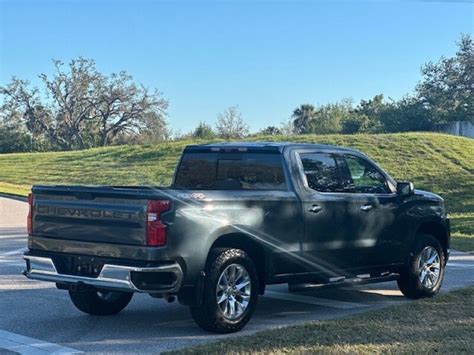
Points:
[(38, 318)]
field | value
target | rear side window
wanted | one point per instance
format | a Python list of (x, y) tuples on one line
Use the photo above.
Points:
[(321, 172), (231, 171)]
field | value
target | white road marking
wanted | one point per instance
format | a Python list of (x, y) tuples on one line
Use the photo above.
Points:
[(8, 236), (12, 262), (17, 282), (468, 257), (26, 345), (14, 252), (462, 266), (385, 292), (313, 300)]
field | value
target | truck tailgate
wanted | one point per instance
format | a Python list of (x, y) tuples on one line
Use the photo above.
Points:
[(91, 214)]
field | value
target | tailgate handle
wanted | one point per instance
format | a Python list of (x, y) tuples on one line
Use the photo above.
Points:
[(83, 195)]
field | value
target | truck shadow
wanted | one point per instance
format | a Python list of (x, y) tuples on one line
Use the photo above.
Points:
[(153, 323)]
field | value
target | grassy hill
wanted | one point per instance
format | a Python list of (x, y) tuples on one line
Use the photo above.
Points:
[(441, 163)]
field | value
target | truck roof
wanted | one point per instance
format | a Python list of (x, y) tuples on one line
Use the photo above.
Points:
[(262, 146)]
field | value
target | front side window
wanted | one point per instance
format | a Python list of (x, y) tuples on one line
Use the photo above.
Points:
[(231, 171), (363, 176), (321, 172)]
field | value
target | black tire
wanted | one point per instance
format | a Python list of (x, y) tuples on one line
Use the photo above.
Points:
[(100, 302), (208, 315), (409, 282)]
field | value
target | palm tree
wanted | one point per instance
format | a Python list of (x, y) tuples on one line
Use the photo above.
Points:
[(302, 117)]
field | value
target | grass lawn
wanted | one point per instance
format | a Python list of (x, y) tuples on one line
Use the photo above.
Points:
[(440, 163), (443, 324), (462, 237)]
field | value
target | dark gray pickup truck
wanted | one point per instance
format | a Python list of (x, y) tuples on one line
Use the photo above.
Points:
[(238, 217)]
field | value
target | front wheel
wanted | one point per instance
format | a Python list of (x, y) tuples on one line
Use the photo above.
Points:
[(230, 292), (100, 302), (424, 274)]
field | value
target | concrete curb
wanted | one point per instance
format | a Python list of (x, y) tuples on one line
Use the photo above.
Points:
[(14, 197)]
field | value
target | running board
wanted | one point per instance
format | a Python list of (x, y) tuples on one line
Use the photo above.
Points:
[(342, 280)]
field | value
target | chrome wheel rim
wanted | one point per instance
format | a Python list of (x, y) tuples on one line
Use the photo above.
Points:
[(429, 267), (233, 291)]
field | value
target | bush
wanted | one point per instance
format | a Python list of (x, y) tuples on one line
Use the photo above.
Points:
[(13, 140)]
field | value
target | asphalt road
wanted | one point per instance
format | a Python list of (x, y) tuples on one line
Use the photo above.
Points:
[(35, 317)]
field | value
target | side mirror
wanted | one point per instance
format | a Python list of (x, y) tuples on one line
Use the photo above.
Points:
[(405, 188)]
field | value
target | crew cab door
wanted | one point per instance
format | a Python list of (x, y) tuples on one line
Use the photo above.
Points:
[(329, 243), (373, 207)]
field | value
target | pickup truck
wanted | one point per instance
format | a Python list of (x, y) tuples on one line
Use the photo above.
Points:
[(236, 218)]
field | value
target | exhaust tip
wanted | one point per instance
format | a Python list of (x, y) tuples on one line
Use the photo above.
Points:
[(169, 299)]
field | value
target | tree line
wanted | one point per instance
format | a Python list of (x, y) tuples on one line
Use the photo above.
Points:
[(78, 107)]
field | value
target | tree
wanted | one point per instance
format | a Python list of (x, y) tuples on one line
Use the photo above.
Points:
[(407, 114), (324, 119), (447, 87), (302, 117), (203, 131), (270, 131), (287, 127), (81, 108), (366, 116), (329, 118), (122, 107), (22, 108), (230, 124), (154, 130), (14, 140), (372, 107), (356, 123)]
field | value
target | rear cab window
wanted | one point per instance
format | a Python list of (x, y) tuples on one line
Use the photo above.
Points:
[(230, 171)]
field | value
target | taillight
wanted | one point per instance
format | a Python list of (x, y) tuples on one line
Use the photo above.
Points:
[(155, 229), (29, 219)]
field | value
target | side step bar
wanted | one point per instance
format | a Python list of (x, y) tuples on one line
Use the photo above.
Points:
[(342, 280)]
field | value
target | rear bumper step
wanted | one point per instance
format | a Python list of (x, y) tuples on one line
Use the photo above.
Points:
[(158, 279)]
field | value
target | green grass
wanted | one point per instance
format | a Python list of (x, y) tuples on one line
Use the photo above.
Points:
[(444, 324), (462, 231), (440, 163)]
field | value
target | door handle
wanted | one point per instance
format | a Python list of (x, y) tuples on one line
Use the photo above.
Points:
[(315, 209), (366, 208)]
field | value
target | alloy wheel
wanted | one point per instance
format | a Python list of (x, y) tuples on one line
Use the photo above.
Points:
[(429, 267), (233, 291)]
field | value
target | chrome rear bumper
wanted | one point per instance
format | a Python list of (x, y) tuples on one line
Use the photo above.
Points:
[(116, 277)]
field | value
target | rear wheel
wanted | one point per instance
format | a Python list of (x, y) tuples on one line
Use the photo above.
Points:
[(424, 274), (100, 302), (230, 292)]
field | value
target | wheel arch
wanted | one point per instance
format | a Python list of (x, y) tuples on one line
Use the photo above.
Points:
[(437, 230), (254, 249)]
